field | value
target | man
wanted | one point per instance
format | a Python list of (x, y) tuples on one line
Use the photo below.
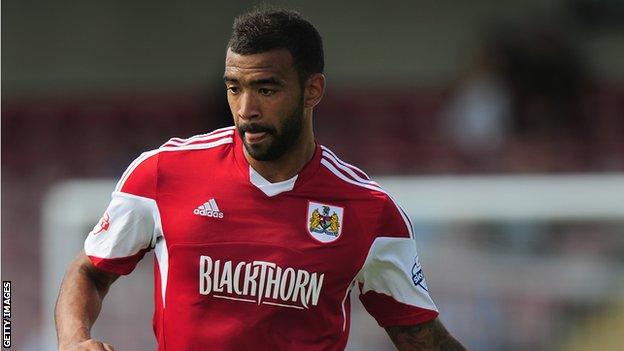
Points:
[(259, 233)]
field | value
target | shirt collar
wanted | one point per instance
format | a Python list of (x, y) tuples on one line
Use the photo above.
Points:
[(273, 189)]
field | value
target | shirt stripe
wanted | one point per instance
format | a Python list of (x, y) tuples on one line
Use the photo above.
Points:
[(144, 156), (329, 165), (199, 138)]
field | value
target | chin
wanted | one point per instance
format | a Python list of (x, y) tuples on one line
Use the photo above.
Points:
[(260, 153)]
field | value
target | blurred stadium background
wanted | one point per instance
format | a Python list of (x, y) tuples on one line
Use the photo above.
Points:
[(473, 113)]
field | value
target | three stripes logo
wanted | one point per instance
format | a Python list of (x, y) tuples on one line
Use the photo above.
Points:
[(209, 209)]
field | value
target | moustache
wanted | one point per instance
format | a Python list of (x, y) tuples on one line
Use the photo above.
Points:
[(256, 128)]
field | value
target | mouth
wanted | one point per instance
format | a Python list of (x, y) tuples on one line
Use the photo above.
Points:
[(256, 137)]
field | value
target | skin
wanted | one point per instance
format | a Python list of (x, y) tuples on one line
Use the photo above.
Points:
[(264, 89), (79, 303), (272, 109), (428, 336)]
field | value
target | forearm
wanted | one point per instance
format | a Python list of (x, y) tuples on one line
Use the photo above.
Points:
[(79, 303), (429, 336)]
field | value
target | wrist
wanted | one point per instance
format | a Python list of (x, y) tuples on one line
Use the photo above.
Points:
[(79, 335)]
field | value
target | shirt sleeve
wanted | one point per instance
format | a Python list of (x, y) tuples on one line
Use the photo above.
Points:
[(131, 223), (392, 284)]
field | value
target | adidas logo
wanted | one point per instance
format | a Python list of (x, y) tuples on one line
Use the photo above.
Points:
[(209, 209)]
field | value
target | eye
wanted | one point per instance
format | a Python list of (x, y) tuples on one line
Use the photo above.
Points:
[(266, 91), (233, 90)]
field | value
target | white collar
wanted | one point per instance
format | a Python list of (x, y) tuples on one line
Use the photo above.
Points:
[(268, 188)]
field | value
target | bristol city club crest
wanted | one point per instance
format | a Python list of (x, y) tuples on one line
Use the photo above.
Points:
[(324, 221)]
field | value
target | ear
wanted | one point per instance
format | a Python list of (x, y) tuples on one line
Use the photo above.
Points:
[(313, 90)]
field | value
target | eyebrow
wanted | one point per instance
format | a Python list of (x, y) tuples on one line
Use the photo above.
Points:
[(254, 82)]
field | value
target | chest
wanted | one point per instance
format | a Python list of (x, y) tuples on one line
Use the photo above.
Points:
[(229, 220)]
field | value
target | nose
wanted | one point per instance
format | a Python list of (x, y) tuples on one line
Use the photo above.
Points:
[(248, 107)]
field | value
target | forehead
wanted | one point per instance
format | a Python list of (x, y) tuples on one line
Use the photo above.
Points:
[(274, 63)]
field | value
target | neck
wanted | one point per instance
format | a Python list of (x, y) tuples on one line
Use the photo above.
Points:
[(289, 164)]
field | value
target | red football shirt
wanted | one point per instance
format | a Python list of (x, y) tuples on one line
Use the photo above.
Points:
[(245, 264)]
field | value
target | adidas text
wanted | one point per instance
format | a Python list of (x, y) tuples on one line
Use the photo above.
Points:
[(209, 209), (208, 213)]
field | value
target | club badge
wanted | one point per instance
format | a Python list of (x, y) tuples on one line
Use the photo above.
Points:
[(324, 221)]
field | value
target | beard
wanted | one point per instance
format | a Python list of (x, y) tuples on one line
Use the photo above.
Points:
[(276, 144)]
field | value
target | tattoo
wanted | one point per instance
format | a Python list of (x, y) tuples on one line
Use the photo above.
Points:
[(428, 336)]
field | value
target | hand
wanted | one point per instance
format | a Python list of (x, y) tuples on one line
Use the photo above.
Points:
[(431, 335), (89, 345)]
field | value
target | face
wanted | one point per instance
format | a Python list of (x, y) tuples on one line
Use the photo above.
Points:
[(266, 101)]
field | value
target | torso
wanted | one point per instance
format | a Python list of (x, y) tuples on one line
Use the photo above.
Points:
[(244, 266)]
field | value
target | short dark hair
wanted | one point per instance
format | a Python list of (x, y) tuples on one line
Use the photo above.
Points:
[(263, 30)]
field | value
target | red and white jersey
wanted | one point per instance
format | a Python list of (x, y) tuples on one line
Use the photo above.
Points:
[(245, 264)]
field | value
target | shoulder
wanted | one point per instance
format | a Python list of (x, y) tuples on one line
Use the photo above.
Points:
[(391, 219), (140, 176), (349, 176), (222, 136)]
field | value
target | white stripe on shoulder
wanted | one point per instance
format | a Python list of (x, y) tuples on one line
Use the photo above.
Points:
[(144, 156), (178, 140), (200, 138), (406, 219), (347, 169), (326, 149), (329, 165), (203, 144), (174, 140)]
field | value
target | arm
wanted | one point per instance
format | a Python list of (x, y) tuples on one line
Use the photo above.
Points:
[(79, 303), (428, 336)]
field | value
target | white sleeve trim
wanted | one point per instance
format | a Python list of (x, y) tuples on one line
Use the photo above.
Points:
[(392, 268), (133, 225), (162, 257)]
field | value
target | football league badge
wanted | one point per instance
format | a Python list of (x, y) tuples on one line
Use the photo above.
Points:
[(324, 221), (418, 277)]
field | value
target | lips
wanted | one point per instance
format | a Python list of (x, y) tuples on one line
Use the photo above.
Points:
[(254, 137), (255, 132)]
